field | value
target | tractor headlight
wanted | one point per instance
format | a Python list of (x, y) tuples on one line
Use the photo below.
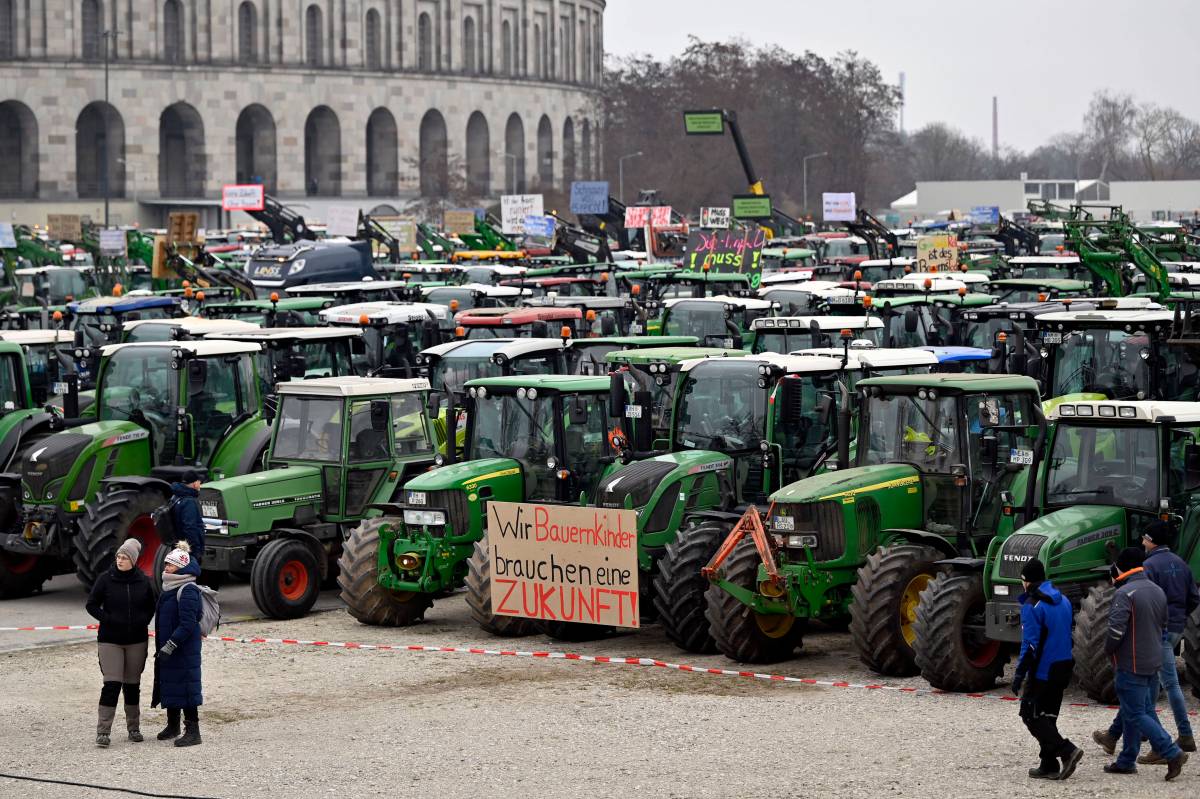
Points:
[(1000, 590), (424, 518)]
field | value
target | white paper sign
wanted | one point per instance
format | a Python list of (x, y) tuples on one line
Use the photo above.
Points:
[(717, 218), (515, 207), (342, 221), (8, 239), (838, 206), (242, 197), (112, 243)]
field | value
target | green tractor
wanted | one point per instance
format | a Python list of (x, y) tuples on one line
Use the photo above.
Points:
[(529, 438), (784, 334), (341, 446), (1111, 468), (940, 462), (720, 321), (160, 409)]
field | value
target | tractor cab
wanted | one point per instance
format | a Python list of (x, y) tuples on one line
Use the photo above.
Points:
[(919, 320), (562, 286), (813, 297), (877, 269), (393, 333), (98, 321), (843, 250), (300, 263), (492, 274), (686, 283), (48, 356), (469, 296), (53, 285), (938, 284), (602, 316), (1049, 267), (353, 291), (722, 320), (867, 360), (274, 312), (483, 323), (784, 334), (588, 356), (181, 328), (298, 353), (1029, 290)]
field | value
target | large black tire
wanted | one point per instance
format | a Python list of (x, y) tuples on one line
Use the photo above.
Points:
[(114, 515), (1093, 666), (1191, 652), (951, 649), (22, 575), (679, 588), (285, 579), (358, 577), (740, 633), (479, 598), (884, 606)]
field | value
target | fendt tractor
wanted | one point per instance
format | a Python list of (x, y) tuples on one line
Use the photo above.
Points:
[(1111, 468), (341, 446), (941, 462), (160, 409), (529, 439)]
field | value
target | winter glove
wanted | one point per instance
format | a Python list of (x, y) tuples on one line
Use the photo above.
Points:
[(1018, 681), (167, 649)]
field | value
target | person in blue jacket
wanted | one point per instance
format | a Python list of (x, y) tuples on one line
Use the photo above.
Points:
[(185, 513), (177, 684), (1046, 661)]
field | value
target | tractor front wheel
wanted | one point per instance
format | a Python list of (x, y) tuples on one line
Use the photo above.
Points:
[(679, 587), (285, 579), (951, 648), (358, 577), (115, 515), (883, 612), (21, 575), (740, 633), (1093, 666), (479, 597)]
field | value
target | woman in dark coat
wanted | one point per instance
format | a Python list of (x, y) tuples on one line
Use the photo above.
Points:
[(177, 684)]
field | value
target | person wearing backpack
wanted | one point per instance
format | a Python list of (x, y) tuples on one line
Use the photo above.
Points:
[(177, 683), (122, 600)]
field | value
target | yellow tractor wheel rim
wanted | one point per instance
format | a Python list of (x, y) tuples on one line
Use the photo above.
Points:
[(908, 605), (775, 625)]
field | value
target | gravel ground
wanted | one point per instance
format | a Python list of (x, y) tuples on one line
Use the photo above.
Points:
[(308, 722)]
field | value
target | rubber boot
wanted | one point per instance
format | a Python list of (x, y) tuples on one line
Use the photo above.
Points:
[(133, 722), (172, 728), (191, 734), (104, 724)]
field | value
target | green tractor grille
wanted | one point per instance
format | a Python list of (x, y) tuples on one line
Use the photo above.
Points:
[(53, 461), (817, 526), (1016, 551), (452, 501)]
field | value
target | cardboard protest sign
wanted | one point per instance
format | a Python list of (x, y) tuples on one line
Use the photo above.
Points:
[(342, 220), (404, 231), (937, 253), (458, 221), (737, 251), (564, 563), (660, 215), (64, 227), (242, 197), (113, 243), (714, 218), (589, 196), (637, 215), (515, 207), (838, 206)]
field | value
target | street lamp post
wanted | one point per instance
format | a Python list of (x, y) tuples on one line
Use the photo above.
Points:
[(621, 173), (805, 161)]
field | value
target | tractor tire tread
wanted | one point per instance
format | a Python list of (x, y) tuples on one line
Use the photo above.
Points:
[(874, 620), (358, 577), (680, 589)]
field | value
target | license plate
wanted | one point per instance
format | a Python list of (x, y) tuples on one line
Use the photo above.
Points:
[(416, 497), (635, 329), (842, 299), (208, 509), (1052, 338), (1023, 457), (58, 388), (633, 411), (783, 523)]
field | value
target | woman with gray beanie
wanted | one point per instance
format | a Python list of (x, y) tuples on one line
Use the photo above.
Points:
[(122, 600)]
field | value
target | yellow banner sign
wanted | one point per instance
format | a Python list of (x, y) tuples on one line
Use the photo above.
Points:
[(937, 253), (564, 563)]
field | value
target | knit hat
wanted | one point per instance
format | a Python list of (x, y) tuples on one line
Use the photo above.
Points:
[(130, 548), (190, 477), (1034, 572), (179, 555), (1160, 533), (1130, 558)]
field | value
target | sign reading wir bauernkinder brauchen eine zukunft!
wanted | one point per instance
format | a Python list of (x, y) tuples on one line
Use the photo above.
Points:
[(564, 563)]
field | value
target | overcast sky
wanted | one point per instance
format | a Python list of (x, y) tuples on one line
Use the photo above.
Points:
[(1043, 59)]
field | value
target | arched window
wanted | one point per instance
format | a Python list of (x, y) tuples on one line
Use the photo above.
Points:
[(181, 158), (99, 152), (479, 154), (7, 29), (434, 164), (90, 16), (314, 38), (322, 153), (506, 48), (425, 43), (568, 152), (18, 150), (545, 153), (383, 164), (173, 32), (255, 147), (247, 33), (469, 45), (372, 36), (514, 155), (585, 152)]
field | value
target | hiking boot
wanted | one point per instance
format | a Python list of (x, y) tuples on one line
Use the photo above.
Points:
[(1175, 765), (1152, 758), (133, 723), (169, 732), (1070, 761), (191, 735), (104, 720), (1106, 741), (1186, 742), (1044, 772), (1113, 768)]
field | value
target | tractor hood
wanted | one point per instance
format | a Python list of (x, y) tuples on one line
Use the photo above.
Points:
[(61, 466), (467, 475), (258, 502), (637, 483), (847, 484), (1072, 542)]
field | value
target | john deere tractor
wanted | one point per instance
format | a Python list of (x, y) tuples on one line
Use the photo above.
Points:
[(1111, 468), (529, 438), (940, 462), (160, 408), (341, 446)]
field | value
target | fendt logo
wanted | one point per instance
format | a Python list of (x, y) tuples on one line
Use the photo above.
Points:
[(1018, 558)]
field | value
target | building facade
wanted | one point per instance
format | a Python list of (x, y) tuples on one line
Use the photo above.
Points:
[(365, 102)]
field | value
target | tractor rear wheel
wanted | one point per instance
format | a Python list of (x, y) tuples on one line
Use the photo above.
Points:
[(679, 588), (740, 633), (884, 609), (115, 515), (1093, 666), (358, 576), (285, 579), (479, 597), (1191, 652), (21, 575), (951, 649)]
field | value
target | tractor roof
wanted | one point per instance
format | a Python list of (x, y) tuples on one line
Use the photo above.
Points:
[(497, 317), (487, 347), (569, 384), (956, 382), (194, 325), (353, 386), (201, 349), (802, 324), (635, 342), (1136, 411), (1056, 283), (383, 313), (791, 364), (482, 288), (1104, 316), (671, 354), (745, 303), (876, 357), (937, 285), (1045, 260), (948, 274), (959, 354), (501, 270), (30, 271), (969, 300), (788, 253), (284, 304), (898, 261), (269, 334), (28, 337), (345, 287), (99, 305), (586, 303)]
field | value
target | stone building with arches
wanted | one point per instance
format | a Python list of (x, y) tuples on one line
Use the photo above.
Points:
[(363, 102)]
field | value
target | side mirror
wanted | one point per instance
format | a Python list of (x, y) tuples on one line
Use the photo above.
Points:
[(197, 376), (294, 367), (379, 415), (579, 411), (540, 330), (989, 448), (616, 395), (430, 334), (608, 326), (911, 321)]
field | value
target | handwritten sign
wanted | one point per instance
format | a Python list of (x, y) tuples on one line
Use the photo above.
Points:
[(515, 207), (642, 215), (737, 251), (404, 231), (113, 243), (458, 221), (714, 218), (985, 215), (752, 206), (589, 196), (242, 197), (564, 563), (342, 220), (64, 227), (540, 226), (838, 206), (937, 253), (8, 239)]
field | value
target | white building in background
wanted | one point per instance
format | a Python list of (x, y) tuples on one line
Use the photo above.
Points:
[(940, 198)]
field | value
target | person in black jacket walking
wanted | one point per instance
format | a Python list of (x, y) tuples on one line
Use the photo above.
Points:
[(185, 513), (122, 600), (1137, 625)]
